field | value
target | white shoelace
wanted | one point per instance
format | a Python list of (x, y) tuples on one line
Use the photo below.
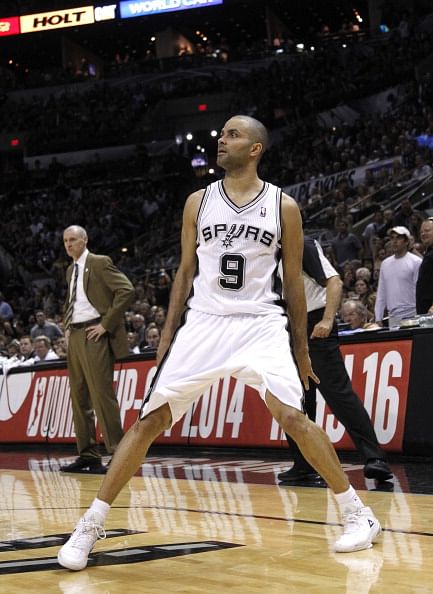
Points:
[(351, 523), (87, 532)]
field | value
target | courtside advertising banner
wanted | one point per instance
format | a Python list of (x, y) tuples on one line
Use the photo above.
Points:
[(35, 404), (380, 374), (58, 19)]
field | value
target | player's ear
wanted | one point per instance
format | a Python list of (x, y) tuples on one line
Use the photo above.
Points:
[(257, 149)]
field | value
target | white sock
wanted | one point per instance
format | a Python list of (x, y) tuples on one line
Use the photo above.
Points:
[(100, 507), (348, 501)]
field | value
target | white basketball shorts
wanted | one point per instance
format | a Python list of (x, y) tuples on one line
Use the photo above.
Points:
[(254, 349)]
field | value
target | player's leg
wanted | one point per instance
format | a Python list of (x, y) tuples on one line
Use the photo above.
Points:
[(185, 374), (132, 451), (301, 469), (312, 441), (126, 460), (361, 527)]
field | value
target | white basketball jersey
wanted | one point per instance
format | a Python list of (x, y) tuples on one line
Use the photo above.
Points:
[(238, 249)]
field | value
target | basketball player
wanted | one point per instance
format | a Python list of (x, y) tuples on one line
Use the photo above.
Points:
[(234, 234)]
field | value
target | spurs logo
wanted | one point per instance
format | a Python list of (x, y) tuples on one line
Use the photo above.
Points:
[(232, 234)]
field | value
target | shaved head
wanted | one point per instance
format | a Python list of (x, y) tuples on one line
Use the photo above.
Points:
[(256, 130)]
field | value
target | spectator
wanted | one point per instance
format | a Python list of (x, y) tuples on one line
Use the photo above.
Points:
[(43, 350), (6, 311), (60, 347), (404, 214), (366, 296), (370, 233), (128, 320), (26, 349), (346, 245), (415, 227), (14, 354), (363, 273), (388, 223), (133, 347), (397, 280), (139, 327), (159, 317), (162, 288), (45, 328), (152, 337), (143, 308), (424, 285), (354, 313), (3, 346), (6, 328), (422, 169)]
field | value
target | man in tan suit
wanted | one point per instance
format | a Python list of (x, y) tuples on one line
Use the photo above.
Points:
[(97, 298)]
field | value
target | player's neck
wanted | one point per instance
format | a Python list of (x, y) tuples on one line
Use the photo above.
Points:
[(242, 187)]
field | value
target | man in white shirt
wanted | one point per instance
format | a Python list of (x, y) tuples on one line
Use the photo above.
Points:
[(43, 350), (397, 280)]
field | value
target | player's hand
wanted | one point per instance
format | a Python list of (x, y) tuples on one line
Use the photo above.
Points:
[(322, 329), (305, 370), (95, 332)]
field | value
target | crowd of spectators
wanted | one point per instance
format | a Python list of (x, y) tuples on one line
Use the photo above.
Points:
[(132, 207), (42, 338), (128, 48), (114, 212), (291, 89)]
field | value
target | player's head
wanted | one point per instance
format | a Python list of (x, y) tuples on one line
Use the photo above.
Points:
[(243, 139)]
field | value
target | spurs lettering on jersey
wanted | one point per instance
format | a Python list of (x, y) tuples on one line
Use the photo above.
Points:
[(236, 231), (238, 250)]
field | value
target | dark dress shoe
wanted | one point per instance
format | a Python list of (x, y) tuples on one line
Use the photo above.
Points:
[(299, 474), (91, 465), (377, 469)]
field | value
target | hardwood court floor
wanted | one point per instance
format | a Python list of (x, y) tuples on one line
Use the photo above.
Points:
[(209, 523)]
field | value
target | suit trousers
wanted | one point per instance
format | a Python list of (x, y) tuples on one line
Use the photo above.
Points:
[(337, 391), (91, 367)]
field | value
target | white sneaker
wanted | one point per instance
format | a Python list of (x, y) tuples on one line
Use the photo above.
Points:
[(361, 529), (75, 552)]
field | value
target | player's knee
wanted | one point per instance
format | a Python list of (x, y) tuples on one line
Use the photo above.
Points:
[(298, 425), (286, 416), (156, 421)]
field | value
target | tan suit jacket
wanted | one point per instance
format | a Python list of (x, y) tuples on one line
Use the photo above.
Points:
[(110, 292)]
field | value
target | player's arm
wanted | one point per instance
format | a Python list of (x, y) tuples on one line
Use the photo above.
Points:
[(292, 245), (182, 284)]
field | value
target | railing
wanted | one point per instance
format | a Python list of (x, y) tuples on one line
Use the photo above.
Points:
[(393, 192)]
